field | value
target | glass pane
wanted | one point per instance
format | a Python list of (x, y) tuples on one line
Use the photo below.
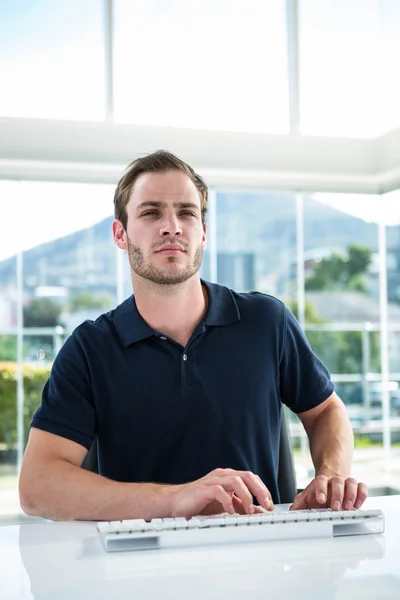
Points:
[(393, 282), (68, 275), (256, 236), (341, 263), (8, 384), (8, 427), (342, 294), (343, 316), (215, 64), (389, 64), (52, 59), (349, 54)]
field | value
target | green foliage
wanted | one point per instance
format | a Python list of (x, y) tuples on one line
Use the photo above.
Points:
[(8, 347), (340, 351), (84, 300), (34, 379), (310, 313), (365, 441), (341, 272), (358, 260), (42, 312)]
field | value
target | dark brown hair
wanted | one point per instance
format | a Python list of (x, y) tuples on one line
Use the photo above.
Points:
[(158, 161)]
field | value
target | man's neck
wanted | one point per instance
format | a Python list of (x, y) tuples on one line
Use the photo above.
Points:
[(174, 310)]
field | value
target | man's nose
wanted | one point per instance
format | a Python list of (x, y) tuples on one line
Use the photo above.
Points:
[(171, 226)]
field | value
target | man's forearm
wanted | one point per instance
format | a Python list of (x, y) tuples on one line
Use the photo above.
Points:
[(332, 442), (62, 491)]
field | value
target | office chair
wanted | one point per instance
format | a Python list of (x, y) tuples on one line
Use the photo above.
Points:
[(286, 473), (287, 484)]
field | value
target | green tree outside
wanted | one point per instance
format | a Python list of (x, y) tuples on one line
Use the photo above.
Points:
[(341, 272)]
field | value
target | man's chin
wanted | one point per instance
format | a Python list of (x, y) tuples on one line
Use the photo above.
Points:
[(166, 278)]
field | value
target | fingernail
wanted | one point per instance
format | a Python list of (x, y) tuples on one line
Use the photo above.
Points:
[(336, 505), (347, 505), (251, 509), (321, 497)]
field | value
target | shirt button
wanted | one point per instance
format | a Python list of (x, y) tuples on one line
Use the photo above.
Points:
[(162, 338), (184, 357)]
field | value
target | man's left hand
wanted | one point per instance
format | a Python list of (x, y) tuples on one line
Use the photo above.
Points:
[(331, 492)]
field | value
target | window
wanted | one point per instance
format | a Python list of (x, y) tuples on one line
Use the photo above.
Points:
[(52, 59), (215, 64), (341, 264), (256, 243), (60, 234), (349, 54)]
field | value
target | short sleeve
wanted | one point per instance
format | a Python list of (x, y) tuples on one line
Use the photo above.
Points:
[(304, 380), (67, 407)]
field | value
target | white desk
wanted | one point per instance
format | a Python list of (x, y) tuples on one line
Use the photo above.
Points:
[(67, 561)]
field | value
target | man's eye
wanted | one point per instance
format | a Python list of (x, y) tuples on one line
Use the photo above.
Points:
[(149, 213), (187, 213)]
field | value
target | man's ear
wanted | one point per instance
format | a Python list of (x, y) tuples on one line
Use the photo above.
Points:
[(119, 234), (204, 240)]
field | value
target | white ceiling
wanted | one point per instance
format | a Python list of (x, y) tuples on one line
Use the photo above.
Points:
[(35, 149)]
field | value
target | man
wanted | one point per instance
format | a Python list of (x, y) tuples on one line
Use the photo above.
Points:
[(182, 384)]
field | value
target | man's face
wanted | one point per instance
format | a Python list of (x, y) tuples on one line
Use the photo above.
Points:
[(165, 236)]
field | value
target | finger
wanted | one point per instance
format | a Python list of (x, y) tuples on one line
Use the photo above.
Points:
[(258, 489), (300, 501), (214, 508), (238, 486), (268, 501), (350, 493), (252, 486), (362, 493), (238, 505), (320, 489), (336, 485), (209, 493), (234, 484)]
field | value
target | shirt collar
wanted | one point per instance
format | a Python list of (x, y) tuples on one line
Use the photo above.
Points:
[(129, 323), (222, 306), (131, 327)]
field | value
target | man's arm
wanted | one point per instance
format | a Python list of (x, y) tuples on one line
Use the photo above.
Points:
[(331, 437), (331, 445), (52, 485)]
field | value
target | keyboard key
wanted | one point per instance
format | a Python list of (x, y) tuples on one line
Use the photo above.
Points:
[(158, 524), (255, 519), (325, 515), (169, 523), (193, 523), (373, 513), (181, 523), (242, 519), (217, 521), (230, 520), (291, 516), (312, 516)]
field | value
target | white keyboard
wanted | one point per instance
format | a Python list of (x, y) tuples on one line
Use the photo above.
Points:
[(138, 534)]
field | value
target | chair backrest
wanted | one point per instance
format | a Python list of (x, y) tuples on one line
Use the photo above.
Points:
[(90, 462), (286, 473)]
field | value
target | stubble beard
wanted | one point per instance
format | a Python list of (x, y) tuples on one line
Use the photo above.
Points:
[(161, 276)]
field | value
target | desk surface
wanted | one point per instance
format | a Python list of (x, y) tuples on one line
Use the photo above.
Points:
[(67, 561)]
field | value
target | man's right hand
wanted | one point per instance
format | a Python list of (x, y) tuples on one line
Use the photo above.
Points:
[(222, 490)]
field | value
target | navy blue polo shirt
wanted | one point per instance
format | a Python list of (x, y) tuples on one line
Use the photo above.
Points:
[(167, 414)]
